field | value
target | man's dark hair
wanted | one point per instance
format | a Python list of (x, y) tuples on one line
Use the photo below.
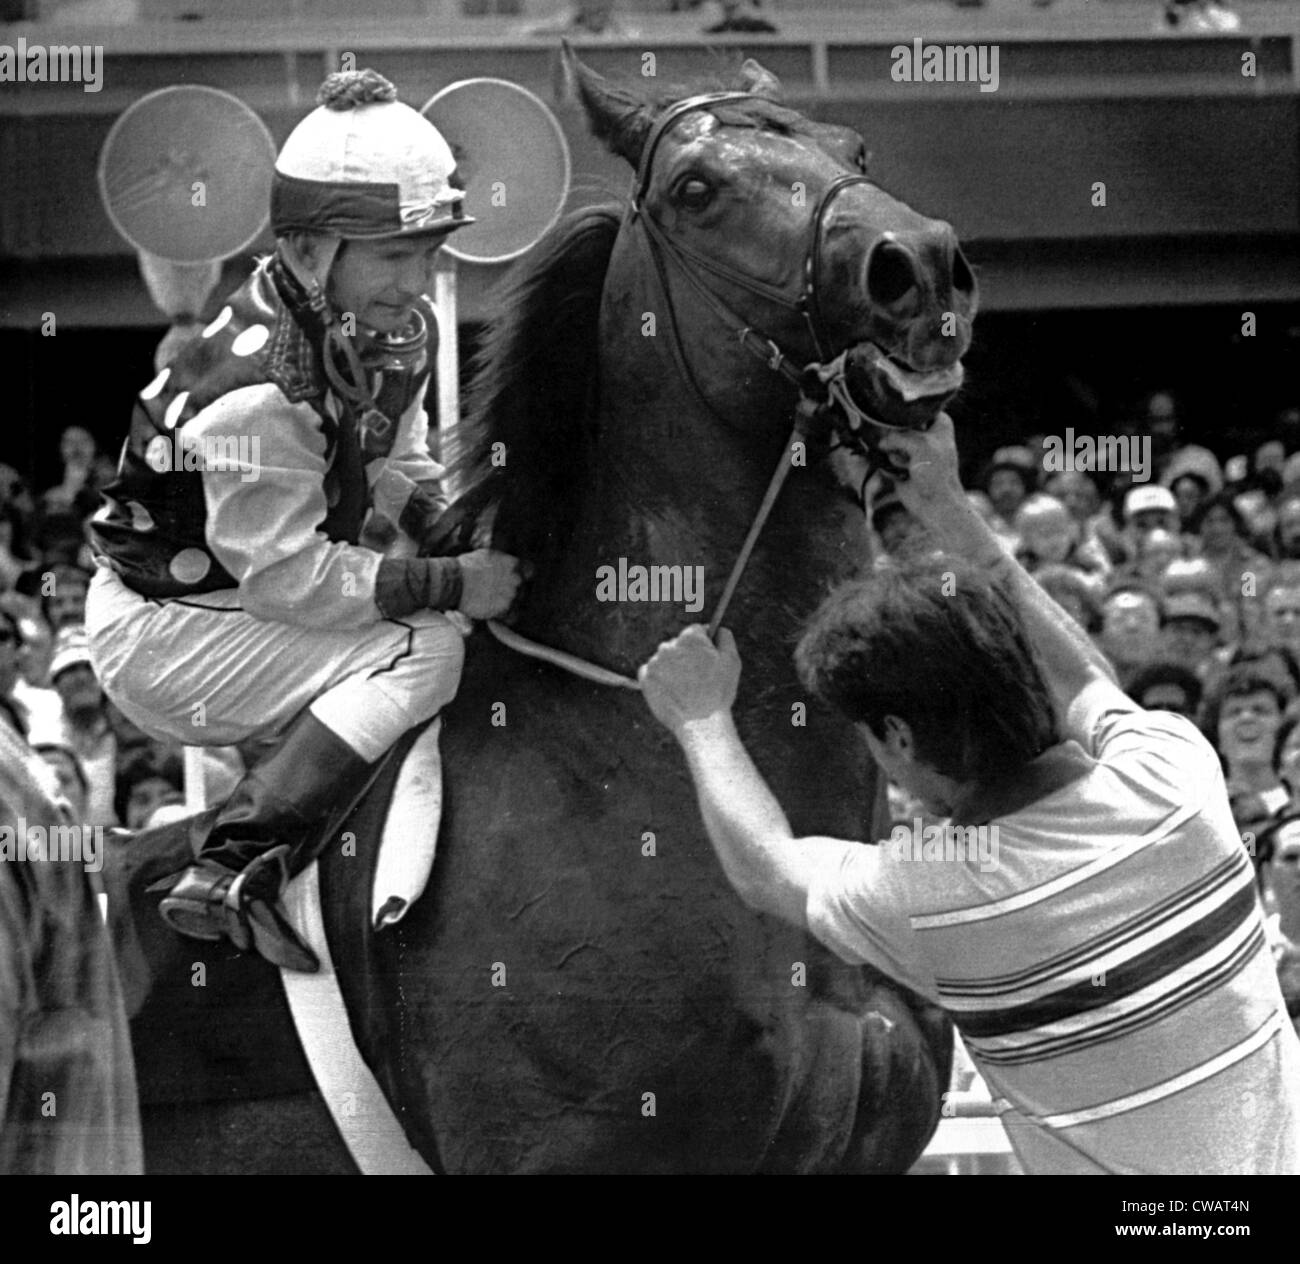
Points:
[(1245, 678), (1222, 500), (62, 572), (939, 646), (1164, 673), (141, 765), (1277, 659)]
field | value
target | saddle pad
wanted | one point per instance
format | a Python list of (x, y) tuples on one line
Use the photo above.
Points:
[(406, 848), (353, 1095)]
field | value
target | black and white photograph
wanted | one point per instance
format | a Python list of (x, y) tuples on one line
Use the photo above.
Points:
[(650, 587)]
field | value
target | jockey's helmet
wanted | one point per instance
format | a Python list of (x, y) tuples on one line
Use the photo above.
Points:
[(362, 164)]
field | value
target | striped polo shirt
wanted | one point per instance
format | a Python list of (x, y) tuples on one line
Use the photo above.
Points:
[(1107, 970)]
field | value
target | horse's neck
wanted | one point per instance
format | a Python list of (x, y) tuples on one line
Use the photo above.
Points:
[(674, 487), (676, 477)]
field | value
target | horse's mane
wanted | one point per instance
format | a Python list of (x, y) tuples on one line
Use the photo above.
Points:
[(533, 386)]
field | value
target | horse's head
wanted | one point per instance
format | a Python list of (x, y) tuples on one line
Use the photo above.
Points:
[(774, 216)]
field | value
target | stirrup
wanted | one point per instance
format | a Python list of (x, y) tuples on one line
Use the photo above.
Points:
[(211, 902), (253, 899), (195, 905)]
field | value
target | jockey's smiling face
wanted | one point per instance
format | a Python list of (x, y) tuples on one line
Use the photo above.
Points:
[(379, 281)]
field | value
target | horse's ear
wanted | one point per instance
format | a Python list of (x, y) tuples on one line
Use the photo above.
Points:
[(760, 81), (617, 117)]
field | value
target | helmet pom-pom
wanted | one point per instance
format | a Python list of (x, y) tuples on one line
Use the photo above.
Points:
[(346, 89)]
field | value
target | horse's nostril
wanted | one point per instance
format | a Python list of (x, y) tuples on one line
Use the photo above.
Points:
[(891, 273), (963, 280)]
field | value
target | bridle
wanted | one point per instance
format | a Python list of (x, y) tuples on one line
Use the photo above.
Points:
[(820, 383), (817, 380)]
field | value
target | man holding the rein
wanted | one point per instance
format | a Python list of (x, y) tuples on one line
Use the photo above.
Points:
[(1105, 958), (235, 597)]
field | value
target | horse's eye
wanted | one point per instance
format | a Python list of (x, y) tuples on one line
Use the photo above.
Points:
[(694, 194)]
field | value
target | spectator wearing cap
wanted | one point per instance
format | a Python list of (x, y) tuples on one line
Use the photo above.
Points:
[(1148, 508), (1191, 574), (1167, 686), (1130, 628), (1190, 630), (1199, 574), (1192, 475), (1011, 476), (83, 724), (1049, 536)]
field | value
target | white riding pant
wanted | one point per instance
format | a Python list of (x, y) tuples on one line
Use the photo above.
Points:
[(204, 673)]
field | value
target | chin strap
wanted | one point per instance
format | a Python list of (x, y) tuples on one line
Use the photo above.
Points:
[(374, 424)]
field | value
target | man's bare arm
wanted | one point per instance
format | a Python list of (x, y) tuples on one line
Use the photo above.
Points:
[(690, 686)]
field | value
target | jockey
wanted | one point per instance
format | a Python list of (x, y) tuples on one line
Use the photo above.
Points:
[(234, 597)]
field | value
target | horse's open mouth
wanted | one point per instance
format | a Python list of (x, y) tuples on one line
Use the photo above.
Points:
[(892, 392)]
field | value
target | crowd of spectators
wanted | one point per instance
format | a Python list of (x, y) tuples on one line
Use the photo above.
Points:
[(109, 772), (1186, 573)]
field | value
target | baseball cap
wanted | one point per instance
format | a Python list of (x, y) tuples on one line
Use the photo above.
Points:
[(1193, 605), (71, 647), (1143, 499), (1014, 457)]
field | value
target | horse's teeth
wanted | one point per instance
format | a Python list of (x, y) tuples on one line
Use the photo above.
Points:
[(912, 386)]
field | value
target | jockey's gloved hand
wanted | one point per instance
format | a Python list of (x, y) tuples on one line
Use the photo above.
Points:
[(490, 583)]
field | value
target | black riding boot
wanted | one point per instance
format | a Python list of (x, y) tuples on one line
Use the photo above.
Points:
[(260, 839)]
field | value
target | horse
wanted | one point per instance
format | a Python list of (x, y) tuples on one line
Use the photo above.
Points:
[(579, 989)]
